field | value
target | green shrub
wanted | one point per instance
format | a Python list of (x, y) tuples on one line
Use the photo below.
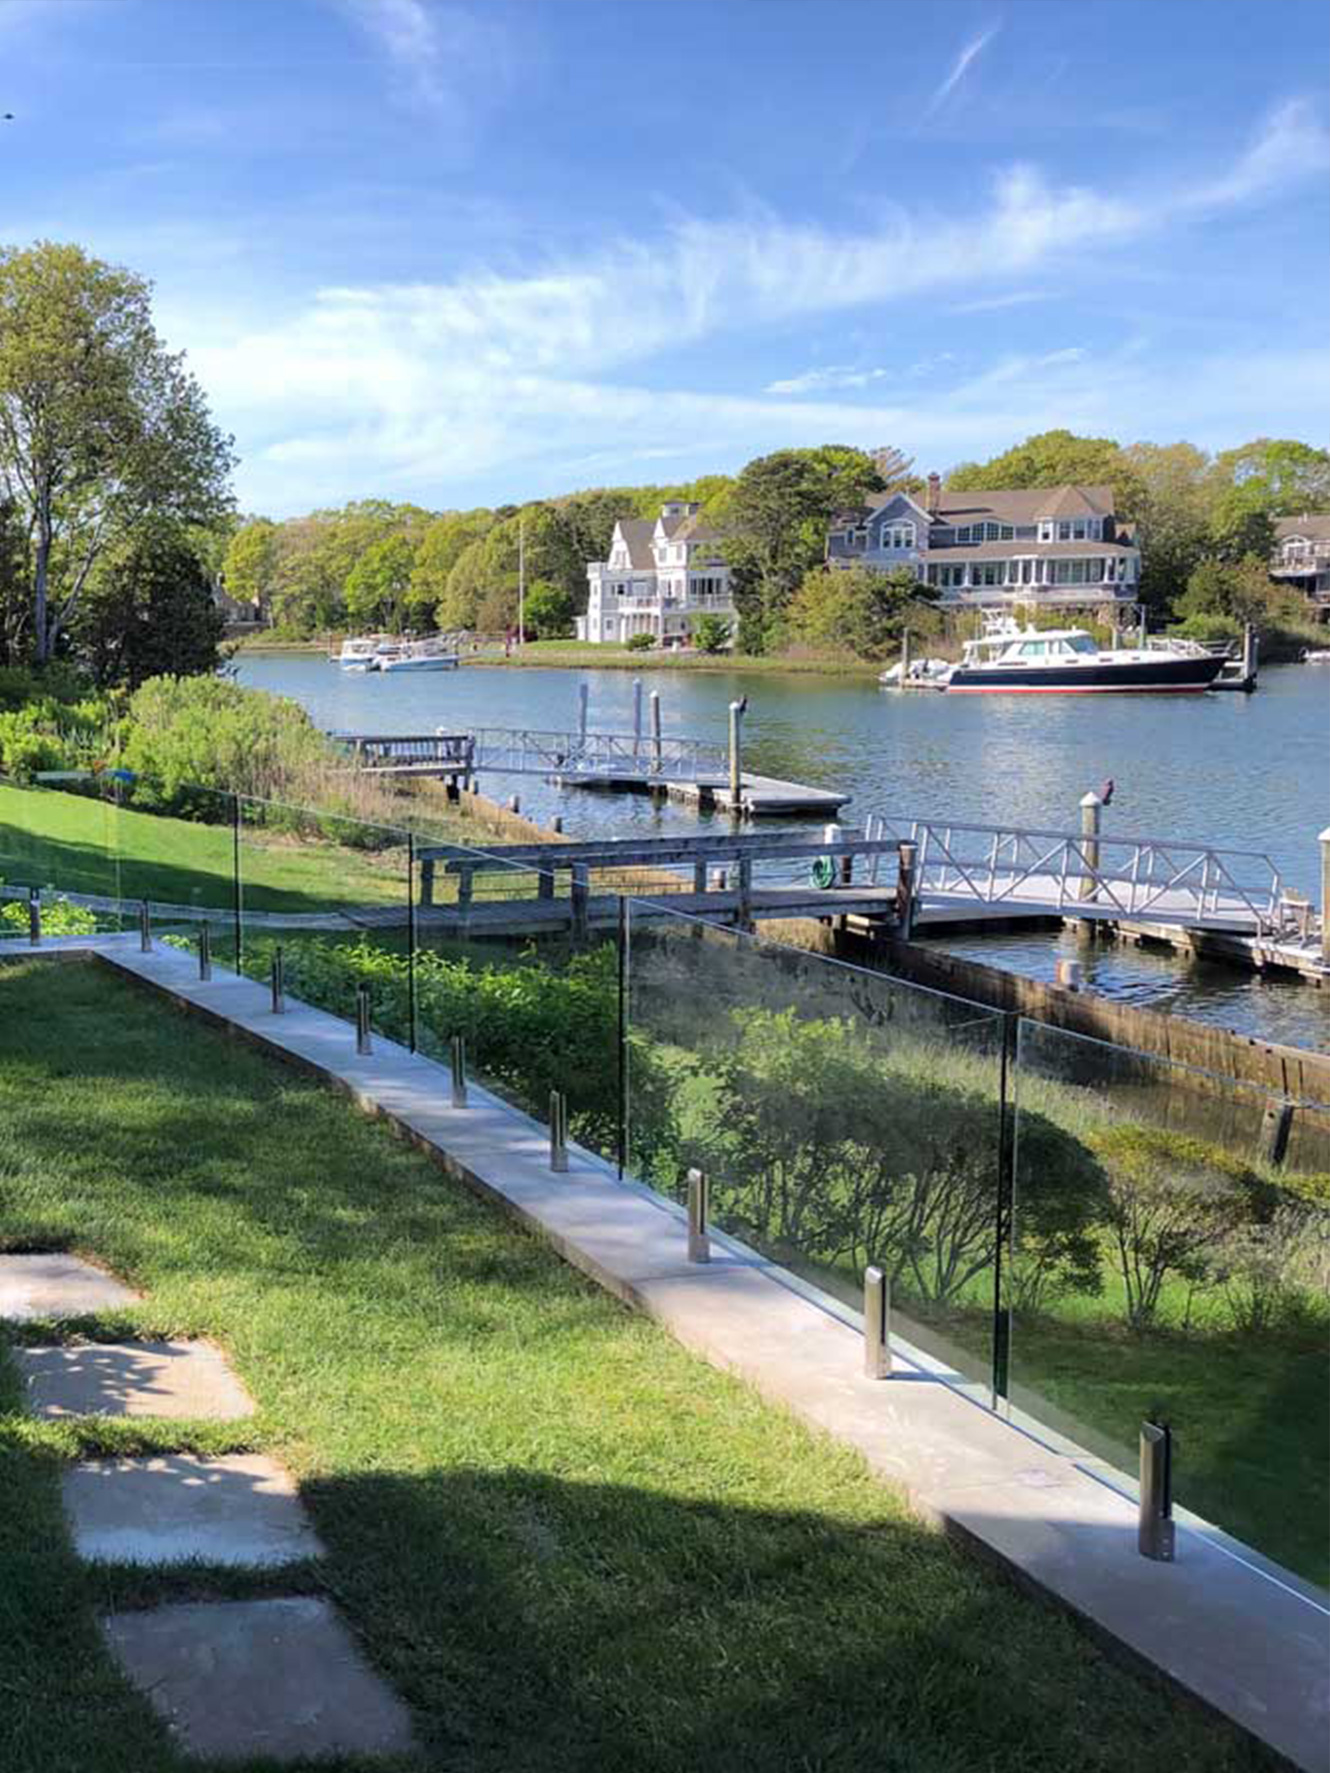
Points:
[(59, 918), (711, 634), (190, 737), (640, 643)]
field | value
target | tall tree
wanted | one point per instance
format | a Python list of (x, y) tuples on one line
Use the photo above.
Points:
[(99, 423), (776, 526), (379, 583), (249, 566), (149, 610), (1177, 500), (1287, 478), (1057, 458)]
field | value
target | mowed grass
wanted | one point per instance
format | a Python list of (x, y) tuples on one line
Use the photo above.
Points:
[(566, 1542)]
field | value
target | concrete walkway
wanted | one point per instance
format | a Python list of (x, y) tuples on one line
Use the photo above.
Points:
[(1249, 1639), (280, 1678)]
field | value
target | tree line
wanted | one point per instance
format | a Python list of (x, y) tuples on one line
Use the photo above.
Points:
[(1206, 524), (118, 528)]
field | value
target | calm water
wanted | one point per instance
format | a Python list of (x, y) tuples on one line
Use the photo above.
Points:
[(1252, 772)]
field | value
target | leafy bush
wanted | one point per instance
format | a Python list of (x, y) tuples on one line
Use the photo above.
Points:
[(190, 737), (59, 918), (640, 643), (711, 634), (48, 734)]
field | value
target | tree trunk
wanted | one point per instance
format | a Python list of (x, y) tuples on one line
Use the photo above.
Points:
[(40, 641)]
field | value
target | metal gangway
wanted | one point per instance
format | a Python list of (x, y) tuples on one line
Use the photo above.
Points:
[(572, 754), (963, 871)]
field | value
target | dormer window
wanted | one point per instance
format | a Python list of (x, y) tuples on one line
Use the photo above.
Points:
[(1045, 532), (898, 535)]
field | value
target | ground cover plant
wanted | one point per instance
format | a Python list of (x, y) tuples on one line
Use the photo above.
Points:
[(567, 1543)]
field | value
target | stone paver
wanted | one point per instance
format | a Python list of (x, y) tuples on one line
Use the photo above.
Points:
[(241, 1509), (132, 1379), (56, 1285), (280, 1678)]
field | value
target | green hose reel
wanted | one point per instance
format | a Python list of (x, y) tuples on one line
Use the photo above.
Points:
[(823, 872)]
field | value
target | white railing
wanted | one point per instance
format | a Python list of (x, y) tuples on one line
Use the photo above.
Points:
[(529, 751), (1073, 873)]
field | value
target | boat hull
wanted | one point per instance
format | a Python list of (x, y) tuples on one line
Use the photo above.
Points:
[(446, 664), (1143, 676)]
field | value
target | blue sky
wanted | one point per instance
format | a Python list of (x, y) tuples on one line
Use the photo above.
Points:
[(471, 253)]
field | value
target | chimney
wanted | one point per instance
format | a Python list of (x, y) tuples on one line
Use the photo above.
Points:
[(934, 494)]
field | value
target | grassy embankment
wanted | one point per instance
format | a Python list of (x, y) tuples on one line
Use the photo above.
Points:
[(566, 1542)]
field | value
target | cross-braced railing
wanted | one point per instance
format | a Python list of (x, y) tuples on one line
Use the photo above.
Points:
[(1093, 875), (531, 751)]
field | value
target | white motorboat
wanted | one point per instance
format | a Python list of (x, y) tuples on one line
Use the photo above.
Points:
[(922, 674), (429, 654), (1317, 656), (358, 652), (1010, 660)]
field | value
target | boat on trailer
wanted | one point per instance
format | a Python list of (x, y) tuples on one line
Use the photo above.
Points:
[(1010, 660)]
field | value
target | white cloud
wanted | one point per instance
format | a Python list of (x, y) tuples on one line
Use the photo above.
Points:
[(974, 47), (1018, 298), (816, 381), (444, 56), (418, 385)]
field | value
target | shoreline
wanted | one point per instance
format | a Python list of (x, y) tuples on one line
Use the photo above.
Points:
[(572, 658)]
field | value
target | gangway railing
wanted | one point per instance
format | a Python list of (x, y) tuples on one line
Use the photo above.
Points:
[(1092, 874), (569, 752)]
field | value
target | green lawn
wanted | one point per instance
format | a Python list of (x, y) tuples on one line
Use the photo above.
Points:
[(566, 1542), (81, 845)]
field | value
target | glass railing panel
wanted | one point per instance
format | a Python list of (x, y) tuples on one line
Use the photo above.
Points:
[(331, 894), (519, 957), (1170, 1261), (63, 839), (842, 1118)]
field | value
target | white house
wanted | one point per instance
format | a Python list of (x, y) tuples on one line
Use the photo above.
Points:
[(660, 577)]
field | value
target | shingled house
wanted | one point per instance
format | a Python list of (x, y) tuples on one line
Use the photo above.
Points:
[(1302, 558), (660, 577), (1059, 547)]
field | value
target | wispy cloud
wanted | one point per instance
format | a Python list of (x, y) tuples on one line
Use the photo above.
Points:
[(1292, 143), (960, 67), (442, 381), (1017, 298), (442, 55), (815, 381)]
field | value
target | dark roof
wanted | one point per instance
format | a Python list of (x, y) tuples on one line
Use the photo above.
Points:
[(636, 533)]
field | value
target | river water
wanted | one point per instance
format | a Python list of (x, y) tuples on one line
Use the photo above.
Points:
[(1248, 772)]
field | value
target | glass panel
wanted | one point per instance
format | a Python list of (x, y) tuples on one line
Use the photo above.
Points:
[(1164, 1266), (63, 840), (522, 962), (841, 1116), (333, 893)]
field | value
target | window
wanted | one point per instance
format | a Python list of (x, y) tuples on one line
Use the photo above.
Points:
[(1045, 532), (964, 534), (1034, 649), (1064, 530), (1078, 530), (898, 535)]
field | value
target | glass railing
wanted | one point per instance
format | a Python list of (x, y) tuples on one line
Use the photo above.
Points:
[(1084, 1235), (1170, 1261), (842, 1118)]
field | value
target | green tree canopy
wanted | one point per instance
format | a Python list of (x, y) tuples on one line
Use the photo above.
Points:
[(1287, 477), (149, 609), (249, 566), (379, 584), (859, 609), (549, 610), (100, 425), (1242, 590), (1057, 458), (776, 526)]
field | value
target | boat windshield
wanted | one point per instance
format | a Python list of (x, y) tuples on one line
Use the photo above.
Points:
[(1081, 643)]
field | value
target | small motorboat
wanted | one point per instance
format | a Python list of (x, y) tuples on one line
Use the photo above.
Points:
[(429, 654), (1010, 660), (358, 652), (1317, 656), (921, 674)]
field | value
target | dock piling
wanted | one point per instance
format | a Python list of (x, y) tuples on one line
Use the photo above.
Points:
[(1325, 895), (1091, 814), (736, 753), (657, 746)]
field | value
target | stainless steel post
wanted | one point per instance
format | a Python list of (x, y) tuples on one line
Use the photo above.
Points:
[(457, 1055), (877, 1324), (699, 1208), (363, 1042), (558, 1131), (656, 742), (145, 929), (907, 859), (205, 951), (277, 982), (34, 915), (1155, 1534)]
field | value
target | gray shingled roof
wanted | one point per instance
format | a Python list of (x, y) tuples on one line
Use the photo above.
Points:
[(1028, 550), (1015, 505), (1313, 525)]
